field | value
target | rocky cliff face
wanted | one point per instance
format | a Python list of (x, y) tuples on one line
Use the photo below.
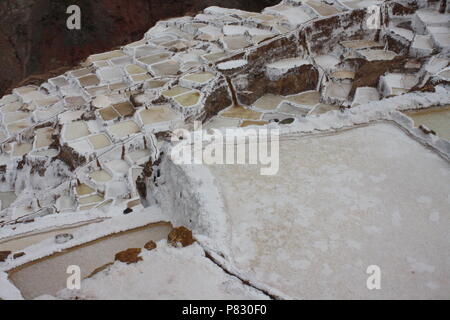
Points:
[(35, 42)]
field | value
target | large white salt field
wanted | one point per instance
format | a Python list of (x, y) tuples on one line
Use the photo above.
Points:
[(343, 202)]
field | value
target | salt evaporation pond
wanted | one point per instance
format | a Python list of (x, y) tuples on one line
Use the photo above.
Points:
[(6, 198), (48, 275), (437, 119), (21, 242)]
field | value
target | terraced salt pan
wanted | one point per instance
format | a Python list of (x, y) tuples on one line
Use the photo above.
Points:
[(327, 62), (268, 102), (75, 130), (15, 116), (162, 39), (109, 113), (82, 146), (235, 42), (69, 116), (294, 15), (433, 18), (157, 114), (31, 95), (93, 199), (18, 126), (278, 117), (3, 135), (154, 84), (343, 74), (437, 119), (89, 80), (110, 74), (286, 64), (308, 98), (377, 55), (99, 141), (83, 190), (6, 198), (43, 137), (46, 153), (240, 112), (118, 61), (123, 129), (117, 168), (145, 51), (249, 123), (45, 102), (214, 57), (209, 33), (200, 78), (421, 46), (323, 108), (364, 95), (232, 64), (170, 67), (18, 244), (338, 91), (360, 44), (8, 99), (322, 9), (45, 114), (135, 173), (135, 69), (359, 4), (445, 74), (48, 276), (256, 34), (140, 77), (105, 56), (11, 107), (188, 99), (124, 108), (293, 110), (101, 101), (341, 202), (139, 157), (219, 122), (21, 149), (80, 72), (155, 58), (175, 91), (100, 176), (402, 32), (176, 45), (393, 83), (74, 101), (102, 64)]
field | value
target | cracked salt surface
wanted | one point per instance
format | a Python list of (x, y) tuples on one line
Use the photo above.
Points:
[(343, 202)]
